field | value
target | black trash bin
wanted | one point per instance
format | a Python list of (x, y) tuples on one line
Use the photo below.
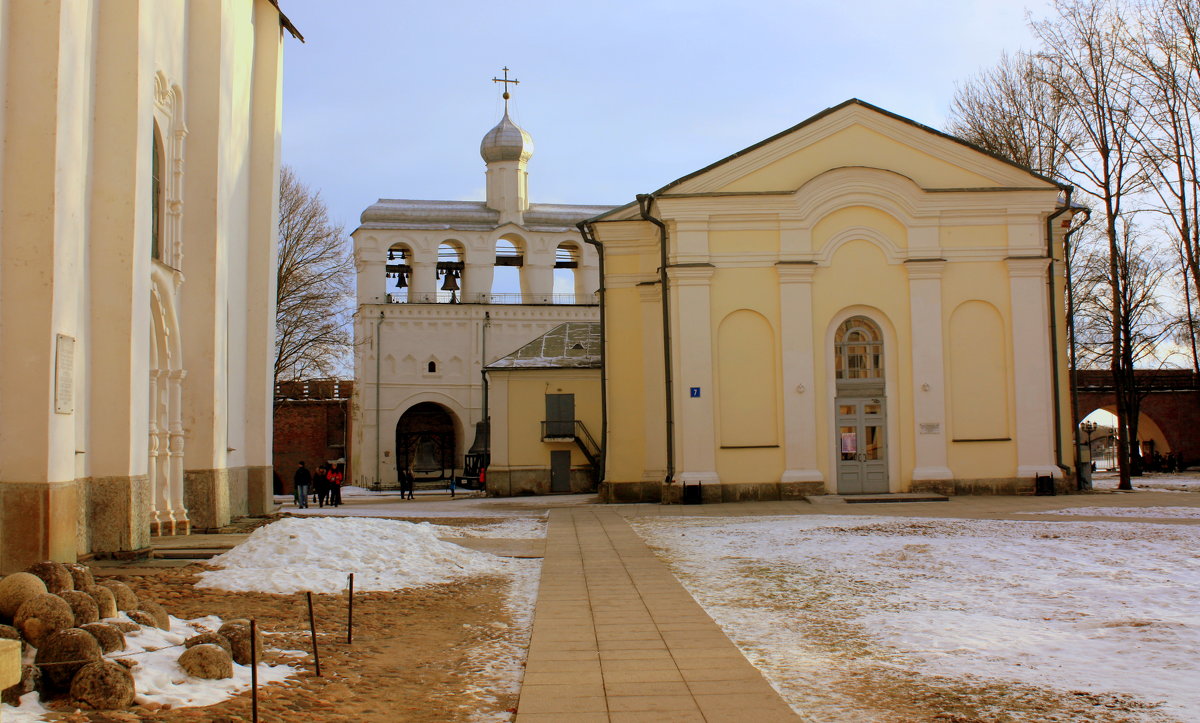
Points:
[(692, 494), (1044, 486)]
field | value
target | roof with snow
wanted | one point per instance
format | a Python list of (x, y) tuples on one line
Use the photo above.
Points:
[(573, 345)]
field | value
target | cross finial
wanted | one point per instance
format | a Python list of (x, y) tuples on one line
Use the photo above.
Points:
[(506, 81)]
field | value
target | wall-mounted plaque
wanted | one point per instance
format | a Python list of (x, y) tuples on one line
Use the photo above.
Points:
[(64, 374)]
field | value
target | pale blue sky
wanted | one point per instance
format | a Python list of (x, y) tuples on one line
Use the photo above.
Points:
[(390, 99)]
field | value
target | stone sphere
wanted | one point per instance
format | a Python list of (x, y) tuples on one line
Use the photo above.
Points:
[(82, 604), (81, 575), (15, 589), (56, 577), (210, 639), (103, 685), (31, 680), (208, 661), (237, 632), (125, 626), (127, 599), (41, 616), (111, 639), (141, 617), (161, 619), (105, 601), (62, 654)]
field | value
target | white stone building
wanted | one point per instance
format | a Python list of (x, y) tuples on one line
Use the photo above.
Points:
[(139, 176), (431, 311)]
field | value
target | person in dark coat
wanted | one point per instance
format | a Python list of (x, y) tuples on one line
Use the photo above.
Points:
[(321, 485), (302, 480), (406, 484)]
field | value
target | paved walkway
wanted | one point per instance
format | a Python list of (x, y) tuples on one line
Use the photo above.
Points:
[(617, 638)]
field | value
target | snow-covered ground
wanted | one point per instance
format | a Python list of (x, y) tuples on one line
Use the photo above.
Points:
[(829, 606), (1143, 512), (318, 554), (157, 677), (1156, 481)]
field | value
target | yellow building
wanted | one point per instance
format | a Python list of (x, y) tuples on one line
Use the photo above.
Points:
[(859, 304), (546, 412), (139, 176)]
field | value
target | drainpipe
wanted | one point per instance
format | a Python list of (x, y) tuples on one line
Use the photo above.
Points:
[(487, 322), (1053, 308), (378, 361), (644, 201), (589, 237)]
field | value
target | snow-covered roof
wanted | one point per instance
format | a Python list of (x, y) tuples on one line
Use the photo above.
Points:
[(573, 345), (396, 213)]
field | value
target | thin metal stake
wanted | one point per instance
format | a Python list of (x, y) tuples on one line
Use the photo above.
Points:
[(254, 670), (350, 616), (312, 625)]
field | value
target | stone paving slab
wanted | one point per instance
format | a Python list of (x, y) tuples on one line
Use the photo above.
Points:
[(617, 638)]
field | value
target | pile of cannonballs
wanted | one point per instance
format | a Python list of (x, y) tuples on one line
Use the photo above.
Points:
[(67, 617)]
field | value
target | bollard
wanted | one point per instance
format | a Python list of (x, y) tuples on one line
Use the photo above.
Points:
[(312, 626), (253, 670), (350, 614)]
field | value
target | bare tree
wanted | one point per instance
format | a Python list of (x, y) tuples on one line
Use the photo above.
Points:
[(315, 286)]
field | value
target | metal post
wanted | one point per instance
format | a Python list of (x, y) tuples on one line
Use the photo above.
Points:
[(312, 626), (350, 615), (254, 670)]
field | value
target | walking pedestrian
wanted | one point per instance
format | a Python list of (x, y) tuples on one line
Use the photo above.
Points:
[(336, 479), (302, 479), (321, 485)]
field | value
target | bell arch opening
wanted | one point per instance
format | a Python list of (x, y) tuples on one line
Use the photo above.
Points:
[(427, 442)]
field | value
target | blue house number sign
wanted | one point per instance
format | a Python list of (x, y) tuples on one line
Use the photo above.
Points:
[(695, 392)]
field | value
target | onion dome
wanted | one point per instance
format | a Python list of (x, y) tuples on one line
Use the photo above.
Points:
[(506, 142)]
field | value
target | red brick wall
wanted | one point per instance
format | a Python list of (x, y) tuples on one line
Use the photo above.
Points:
[(315, 431)]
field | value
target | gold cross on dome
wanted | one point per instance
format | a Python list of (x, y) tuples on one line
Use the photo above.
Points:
[(506, 81)]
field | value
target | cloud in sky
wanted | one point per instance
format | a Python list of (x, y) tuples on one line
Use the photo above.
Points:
[(390, 99)]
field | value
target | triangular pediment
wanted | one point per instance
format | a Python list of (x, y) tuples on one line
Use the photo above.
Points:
[(857, 134)]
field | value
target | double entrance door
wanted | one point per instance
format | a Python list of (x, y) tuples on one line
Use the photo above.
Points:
[(862, 454)]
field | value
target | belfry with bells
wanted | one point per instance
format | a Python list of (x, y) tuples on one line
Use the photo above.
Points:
[(447, 287)]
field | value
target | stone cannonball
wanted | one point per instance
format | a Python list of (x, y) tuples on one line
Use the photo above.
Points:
[(111, 639), (103, 685), (41, 616), (105, 601), (54, 574), (238, 633), (85, 608), (210, 639), (15, 589), (161, 619), (81, 575), (127, 599), (208, 661), (141, 617), (62, 654)]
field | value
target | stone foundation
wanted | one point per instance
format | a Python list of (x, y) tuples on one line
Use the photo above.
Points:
[(995, 486), (624, 492), (38, 521), (118, 513), (260, 491), (206, 496), (516, 482)]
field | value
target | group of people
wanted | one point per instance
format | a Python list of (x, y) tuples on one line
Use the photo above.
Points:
[(325, 485)]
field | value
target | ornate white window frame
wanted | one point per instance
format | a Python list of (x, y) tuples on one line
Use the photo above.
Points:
[(168, 113)]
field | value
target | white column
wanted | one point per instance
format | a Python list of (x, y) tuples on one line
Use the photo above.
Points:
[(587, 283), (928, 369), (798, 352), (370, 276), (179, 513), (1032, 367), (422, 282), (691, 337), (477, 282), (158, 514), (537, 281)]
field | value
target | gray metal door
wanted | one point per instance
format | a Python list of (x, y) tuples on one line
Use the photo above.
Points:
[(862, 449), (560, 415), (560, 470)]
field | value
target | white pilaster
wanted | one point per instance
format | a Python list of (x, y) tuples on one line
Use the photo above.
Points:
[(928, 369), (654, 449), (422, 282), (695, 435), (799, 399), (1032, 366), (537, 281)]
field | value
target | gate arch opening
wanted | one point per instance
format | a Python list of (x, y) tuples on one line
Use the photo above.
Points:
[(1151, 438)]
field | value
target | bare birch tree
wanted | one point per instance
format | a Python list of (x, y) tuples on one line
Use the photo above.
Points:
[(315, 286)]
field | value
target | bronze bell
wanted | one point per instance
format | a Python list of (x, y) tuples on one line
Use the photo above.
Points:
[(401, 280), (426, 458), (451, 282)]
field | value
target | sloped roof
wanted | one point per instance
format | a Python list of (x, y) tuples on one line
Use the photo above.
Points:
[(573, 345)]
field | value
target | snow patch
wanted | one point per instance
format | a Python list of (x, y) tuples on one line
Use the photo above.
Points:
[(1146, 512)]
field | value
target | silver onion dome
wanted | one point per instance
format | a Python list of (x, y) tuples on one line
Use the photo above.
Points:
[(506, 142)]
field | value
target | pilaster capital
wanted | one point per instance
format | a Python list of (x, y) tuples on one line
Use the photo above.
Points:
[(925, 268), (691, 274), (796, 272), (1027, 266)]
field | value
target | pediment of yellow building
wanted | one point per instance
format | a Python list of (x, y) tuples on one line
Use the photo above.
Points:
[(857, 135)]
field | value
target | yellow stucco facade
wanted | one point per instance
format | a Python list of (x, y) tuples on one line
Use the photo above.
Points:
[(857, 305)]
